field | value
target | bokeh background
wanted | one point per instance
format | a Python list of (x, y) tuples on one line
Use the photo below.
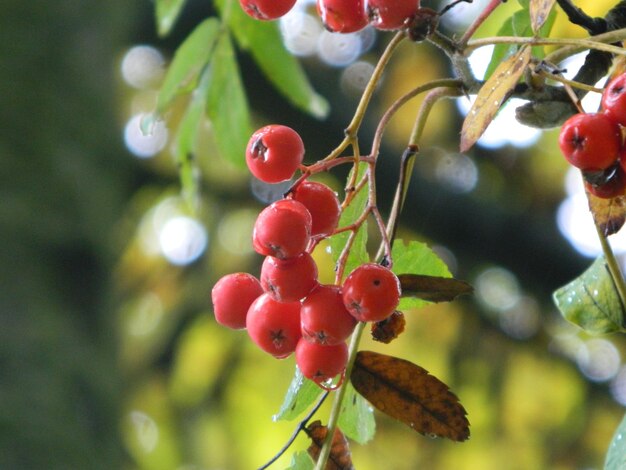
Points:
[(109, 354)]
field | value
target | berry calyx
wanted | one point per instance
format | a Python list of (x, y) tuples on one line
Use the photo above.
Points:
[(391, 14), (322, 203), (266, 9), (289, 280), (614, 99), (232, 296), (371, 292), (274, 153), (606, 184), (324, 318), (342, 16), (320, 362), (282, 229), (274, 326), (590, 141)]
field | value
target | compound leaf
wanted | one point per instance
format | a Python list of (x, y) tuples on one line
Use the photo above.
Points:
[(301, 394), (616, 456), (357, 417), (410, 394)]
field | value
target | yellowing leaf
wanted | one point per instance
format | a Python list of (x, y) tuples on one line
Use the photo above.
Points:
[(492, 95), (608, 214), (433, 288), (539, 12)]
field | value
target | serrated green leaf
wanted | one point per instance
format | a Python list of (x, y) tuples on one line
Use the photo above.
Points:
[(189, 60), (616, 456), (591, 301), (416, 258), (301, 461), (264, 42), (167, 12), (357, 417), (226, 104), (358, 253), (300, 395)]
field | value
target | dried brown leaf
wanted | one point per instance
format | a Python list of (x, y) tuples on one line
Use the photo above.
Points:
[(387, 330), (433, 288), (492, 95), (539, 11), (608, 214), (340, 458), (410, 394)]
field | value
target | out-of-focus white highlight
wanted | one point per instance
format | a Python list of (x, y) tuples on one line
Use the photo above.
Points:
[(598, 359), (301, 32), (356, 76), (145, 143), (457, 172), (339, 50), (146, 430), (142, 67), (182, 240)]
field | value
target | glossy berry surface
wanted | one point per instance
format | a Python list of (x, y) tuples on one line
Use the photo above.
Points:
[(614, 99), (342, 16), (590, 141), (322, 203), (267, 9), (282, 229), (324, 317), (274, 326), (274, 153), (232, 296), (291, 279), (391, 14), (320, 362), (371, 292), (607, 184)]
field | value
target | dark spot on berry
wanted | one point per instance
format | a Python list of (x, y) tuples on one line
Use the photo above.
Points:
[(376, 282), (259, 149), (278, 337)]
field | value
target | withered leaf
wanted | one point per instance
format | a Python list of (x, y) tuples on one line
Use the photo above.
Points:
[(608, 214), (492, 95), (387, 330), (539, 11), (433, 288), (340, 458), (410, 394)]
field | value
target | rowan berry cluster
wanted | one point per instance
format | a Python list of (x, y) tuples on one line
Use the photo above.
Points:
[(594, 143), (288, 309), (342, 16)]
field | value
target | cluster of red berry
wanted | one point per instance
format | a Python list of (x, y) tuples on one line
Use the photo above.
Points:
[(342, 16), (594, 143), (288, 310)]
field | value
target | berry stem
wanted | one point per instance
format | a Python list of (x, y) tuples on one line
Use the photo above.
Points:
[(565, 81), (569, 50), (514, 40), (488, 10), (341, 393), (613, 265)]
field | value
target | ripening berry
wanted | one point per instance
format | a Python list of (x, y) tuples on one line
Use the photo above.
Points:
[(274, 326), (320, 362), (391, 14), (607, 184), (274, 153), (282, 229), (324, 317), (322, 203), (371, 292), (614, 99), (342, 16), (267, 9), (232, 296), (290, 279), (590, 141)]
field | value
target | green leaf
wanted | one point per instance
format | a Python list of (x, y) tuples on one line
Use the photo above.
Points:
[(301, 461), (226, 104), (357, 416), (358, 253), (301, 394), (591, 301), (416, 258), (167, 12), (616, 456), (264, 42), (190, 58), (501, 51)]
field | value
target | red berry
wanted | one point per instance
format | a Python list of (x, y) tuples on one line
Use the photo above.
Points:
[(320, 362), (274, 326), (607, 184), (282, 229), (232, 296), (274, 153), (342, 16), (266, 9), (614, 99), (290, 279), (324, 318), (371, 292), (391, 14), (590, 141), (322, 203)]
